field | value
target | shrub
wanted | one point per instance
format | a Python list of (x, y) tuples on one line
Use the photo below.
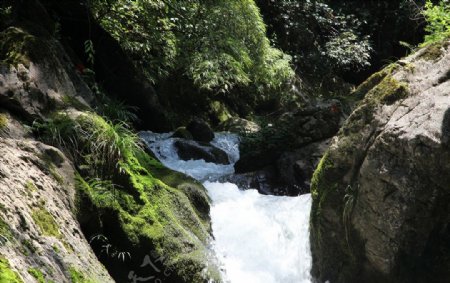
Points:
[(438, 21)]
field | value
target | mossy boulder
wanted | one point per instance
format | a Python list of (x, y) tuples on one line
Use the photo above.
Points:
[(144, 210), (380, 194)]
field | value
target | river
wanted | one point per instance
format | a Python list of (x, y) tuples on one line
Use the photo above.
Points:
[(257, 238)]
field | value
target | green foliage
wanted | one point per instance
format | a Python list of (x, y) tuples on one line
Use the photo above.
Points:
[(46, 222), (90, 51), (77, 277), (102, 192), (116, 111), (6, 274), (438, 21), (94, 143), (36, 273), (219, 45), (320, 39)]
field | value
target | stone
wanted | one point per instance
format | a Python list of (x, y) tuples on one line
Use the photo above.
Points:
[(381, 193), (200, 130), (188, 150), (182, 133)]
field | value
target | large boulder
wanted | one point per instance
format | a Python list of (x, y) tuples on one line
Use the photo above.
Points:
[(381, 193), (200, 130), (39, 231), (188, 150)]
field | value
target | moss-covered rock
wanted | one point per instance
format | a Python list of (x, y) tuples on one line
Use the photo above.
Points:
[(380, 193), (141, 207), (46, 223)]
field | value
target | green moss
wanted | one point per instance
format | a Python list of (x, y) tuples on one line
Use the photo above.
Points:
[(3, 121), (77, 277), (37, 274), (54, 172), (150, 207), (27, 247), (435, 50), (6, 274), (389, 90), (320, 186), (5, 231), (55, 248), (220, 111), (29, 185), (46, 222), (368, 84)]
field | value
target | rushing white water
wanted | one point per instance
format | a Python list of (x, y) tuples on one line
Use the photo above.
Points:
[(258, 238)]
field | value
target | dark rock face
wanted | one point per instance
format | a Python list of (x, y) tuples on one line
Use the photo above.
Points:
[(293, 131), (188, 150), (290, 175), (200, 130), (381, 193)]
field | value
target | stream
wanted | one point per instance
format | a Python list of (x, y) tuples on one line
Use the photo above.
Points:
[(257, 238)]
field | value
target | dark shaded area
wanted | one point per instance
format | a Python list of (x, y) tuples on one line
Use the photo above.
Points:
[(445, 131), (113, 69), (386, 22)]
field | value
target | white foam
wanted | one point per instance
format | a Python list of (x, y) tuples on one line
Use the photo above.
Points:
[(258, 238)]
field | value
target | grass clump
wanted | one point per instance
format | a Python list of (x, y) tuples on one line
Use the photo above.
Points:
[(46, 222), (6, 274), (37, 274), (6, 234)]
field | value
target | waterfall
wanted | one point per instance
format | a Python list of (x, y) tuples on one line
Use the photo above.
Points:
[(257, 238)]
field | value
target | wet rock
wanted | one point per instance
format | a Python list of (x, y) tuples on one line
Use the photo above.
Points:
[(200, 130), (188, 150)]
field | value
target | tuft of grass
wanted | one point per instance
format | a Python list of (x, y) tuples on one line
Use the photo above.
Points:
[(46, 222), (93, 142), (349, 203)]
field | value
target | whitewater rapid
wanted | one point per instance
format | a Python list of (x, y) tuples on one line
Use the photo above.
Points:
[(257, 238)]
